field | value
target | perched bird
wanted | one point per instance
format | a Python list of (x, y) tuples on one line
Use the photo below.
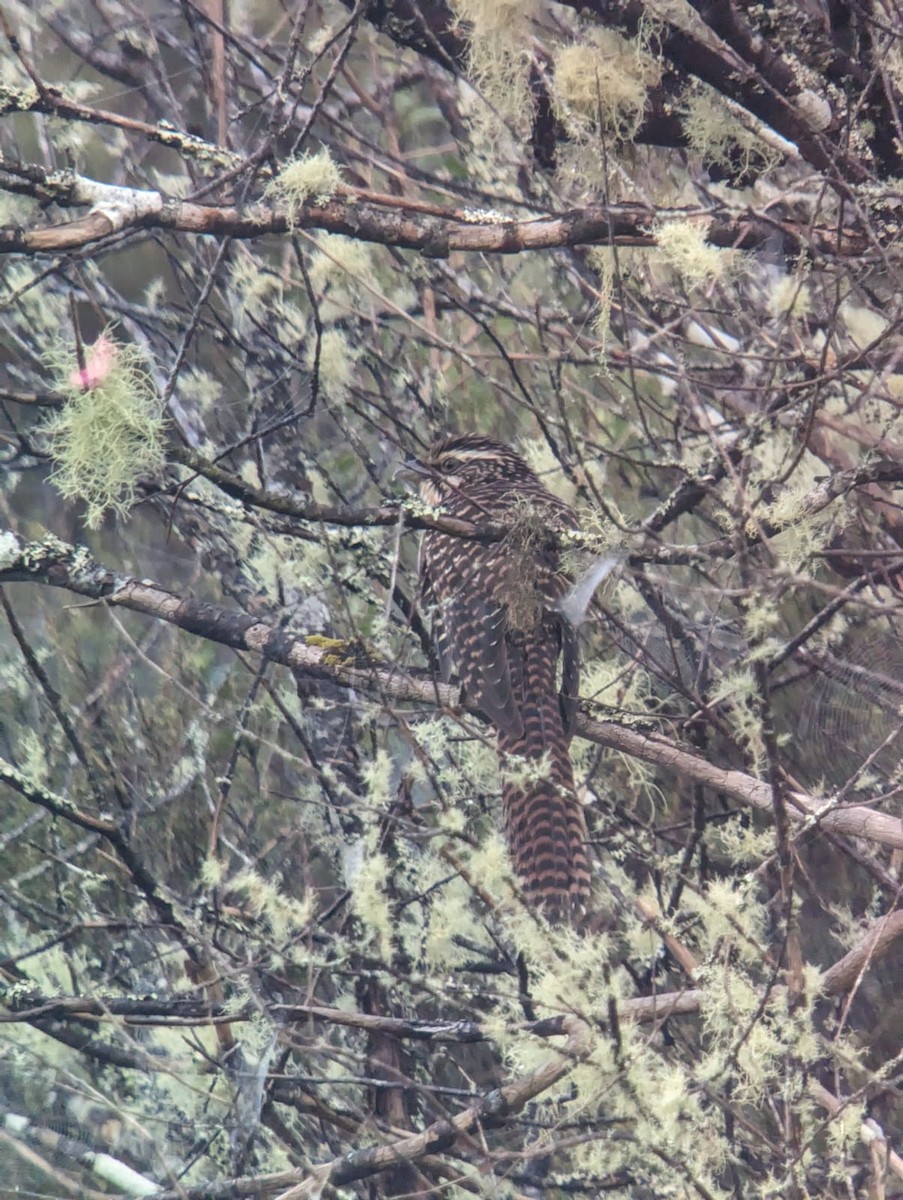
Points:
[(498, 625)]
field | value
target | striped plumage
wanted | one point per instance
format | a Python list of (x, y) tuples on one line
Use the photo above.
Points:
[(498, 628)]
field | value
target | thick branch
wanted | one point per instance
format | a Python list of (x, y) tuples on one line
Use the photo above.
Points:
[(387, 220), (719, 48)]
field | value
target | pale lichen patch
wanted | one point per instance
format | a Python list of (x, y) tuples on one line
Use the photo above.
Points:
[(110, 430), (313, 177), (683, 246), (602, 83)]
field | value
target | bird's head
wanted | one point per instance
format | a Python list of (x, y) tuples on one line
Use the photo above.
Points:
[(454, 464)]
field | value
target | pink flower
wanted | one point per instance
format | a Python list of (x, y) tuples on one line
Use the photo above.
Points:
[(100, 360)]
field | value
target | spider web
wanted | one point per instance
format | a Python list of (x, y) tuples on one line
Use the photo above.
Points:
[(50, 1153), (837, 703), (849, 697)]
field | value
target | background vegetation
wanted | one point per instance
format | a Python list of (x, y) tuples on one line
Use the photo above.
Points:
[(259, 935)]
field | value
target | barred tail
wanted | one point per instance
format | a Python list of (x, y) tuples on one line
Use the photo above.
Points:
[(545, 829)]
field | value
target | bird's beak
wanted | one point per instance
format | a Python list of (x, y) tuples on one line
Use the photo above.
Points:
[(410, 471)]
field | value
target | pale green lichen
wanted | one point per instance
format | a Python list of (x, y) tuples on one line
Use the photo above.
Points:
[(683, 246), (28, 304), (200, 388), (603, 261), (261, 296), (314, 177), (790, 297), (212, 872), (367, 875), (844, 1135), (802, 524), (489, 863), (730, 910), (499, 55), (761, 618), (738, 694), (863, 325), (265, 899), (742, 843), (440, 940), (110, 431), (716, 134), (601, 83), (338, 258), (336, 364), (33, 756)]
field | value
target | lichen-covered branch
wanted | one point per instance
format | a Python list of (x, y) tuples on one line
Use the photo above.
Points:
[(433, 231), (53, 562)]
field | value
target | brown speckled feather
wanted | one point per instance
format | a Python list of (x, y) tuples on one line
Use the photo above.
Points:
[(496, 623)]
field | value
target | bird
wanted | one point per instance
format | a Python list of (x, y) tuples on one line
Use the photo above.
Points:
[(497, 624)]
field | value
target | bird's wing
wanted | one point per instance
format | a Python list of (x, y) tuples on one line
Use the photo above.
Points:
[(472, 631), (431, 601)]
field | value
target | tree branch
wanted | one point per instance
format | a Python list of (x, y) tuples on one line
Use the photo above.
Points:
[(391, 221), (51, 561)]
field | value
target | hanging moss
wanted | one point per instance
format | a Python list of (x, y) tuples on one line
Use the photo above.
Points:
[(110, 431)]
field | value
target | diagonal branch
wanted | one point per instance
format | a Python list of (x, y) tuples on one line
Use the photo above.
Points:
[(54, 562)]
